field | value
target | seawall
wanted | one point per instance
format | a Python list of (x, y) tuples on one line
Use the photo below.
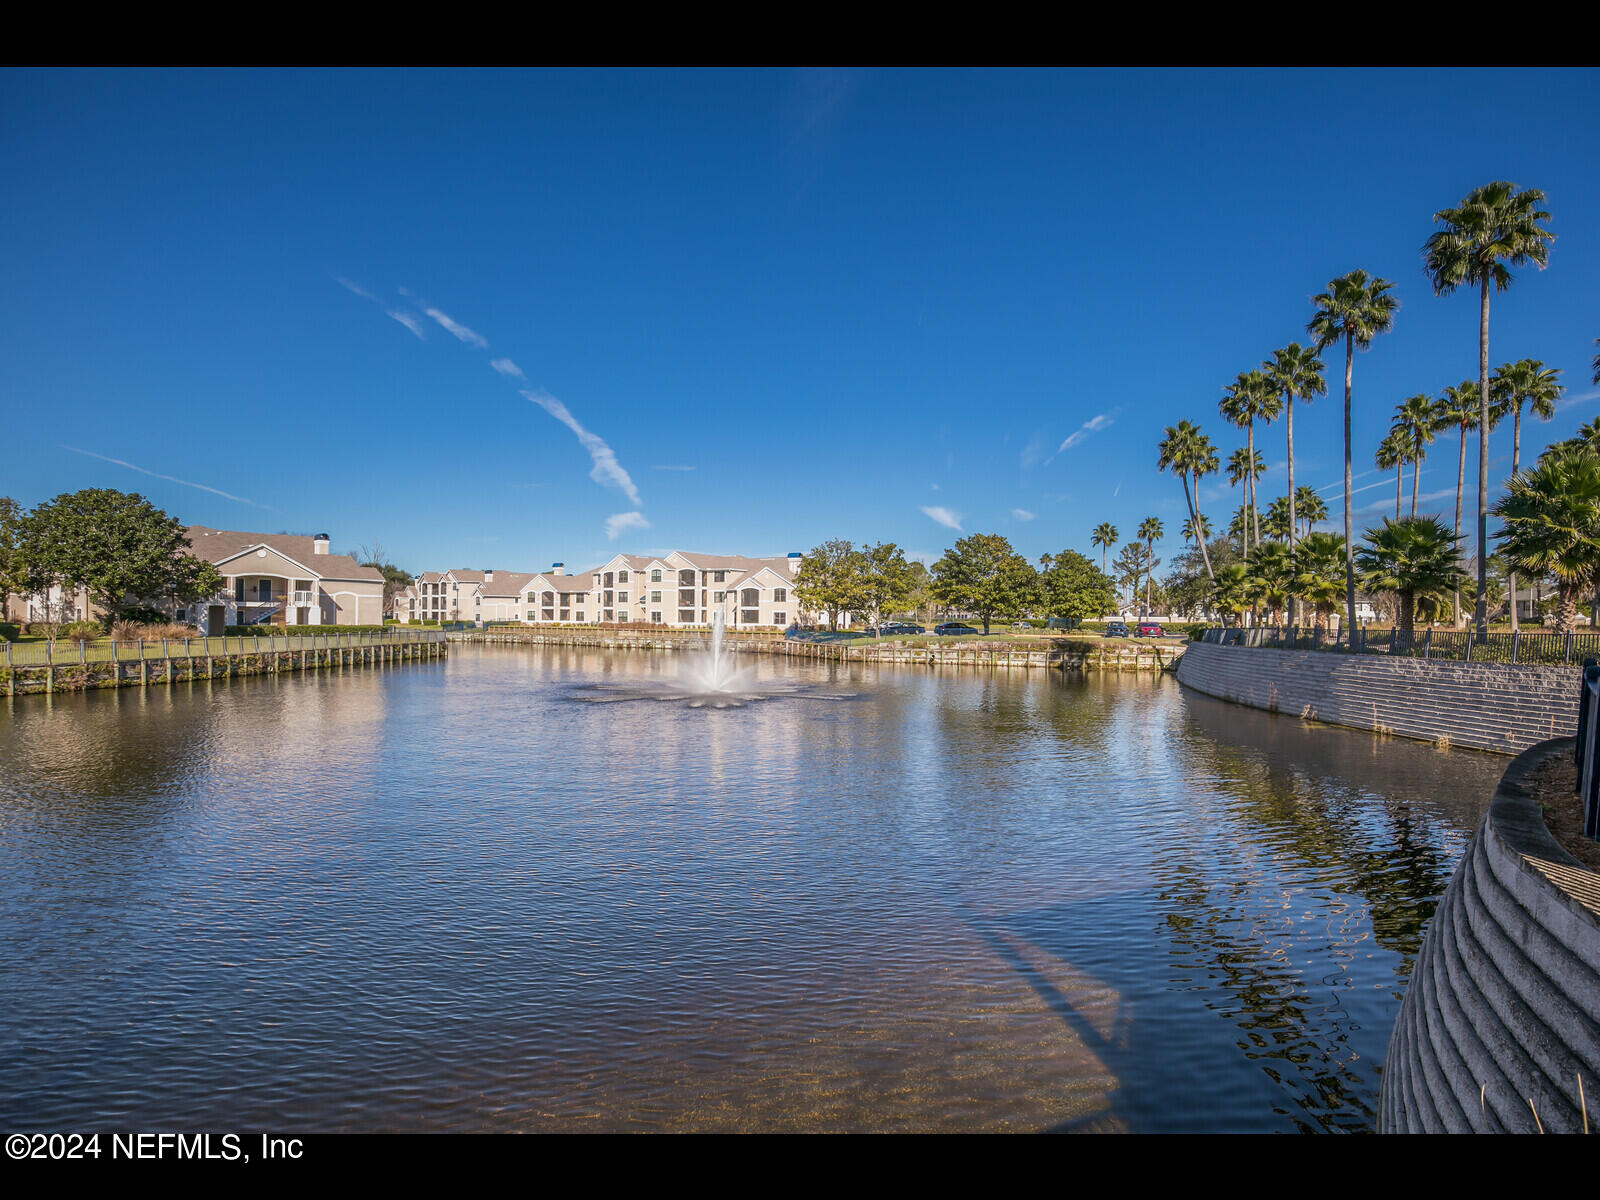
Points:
[(1502, 1014), (1061, 653), (1486, 706)]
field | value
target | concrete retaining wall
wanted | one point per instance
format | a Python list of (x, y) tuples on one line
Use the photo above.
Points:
[(1503, 1008), (1485, 706)]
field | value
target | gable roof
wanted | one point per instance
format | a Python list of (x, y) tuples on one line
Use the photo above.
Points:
[(508, 583), (219, 545)]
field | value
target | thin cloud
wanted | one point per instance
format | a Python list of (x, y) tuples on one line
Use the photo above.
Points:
[(619, 522), (169, 478), (466, 335), (950, 520), (1035, 450), (671, 467), (507, 368), (410, 321), (1092, 426), (1023, 514), (356, 288), (607, 470)]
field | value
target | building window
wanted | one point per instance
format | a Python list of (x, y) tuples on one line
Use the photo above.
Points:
[(655, 597), (579, 617), (778, 618), (622, 577), (719, 577), (655, 576), (780, 595), (622, 597), (718, 597), (655, 618)]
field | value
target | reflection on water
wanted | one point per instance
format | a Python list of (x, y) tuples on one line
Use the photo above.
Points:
[(448, 897)]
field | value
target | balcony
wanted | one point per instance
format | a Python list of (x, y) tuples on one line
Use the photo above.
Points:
[(303, 599)]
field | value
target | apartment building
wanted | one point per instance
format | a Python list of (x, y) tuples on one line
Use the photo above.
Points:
[(683, 588), (282, 579)]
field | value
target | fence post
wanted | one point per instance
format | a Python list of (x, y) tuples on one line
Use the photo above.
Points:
[(1470, 634), (1427, 644), (1591, 673), (1566, 656), (81, 657), (1516, 643)]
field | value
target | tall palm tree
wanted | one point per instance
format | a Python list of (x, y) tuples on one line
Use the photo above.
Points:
[(1494, 226), (1198, 521), (1552, 525), (1104, 536), (1393, 454), (1295, 371), (1149, 529), (1190, 453), (1249, 398), (1526, 381), (1457, 407), (1417, 420), (1246, 466), (1417, 558), (1356, 307), (1309, 507), (1239, 527)]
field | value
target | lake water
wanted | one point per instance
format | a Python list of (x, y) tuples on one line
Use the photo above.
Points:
[(456, 897)]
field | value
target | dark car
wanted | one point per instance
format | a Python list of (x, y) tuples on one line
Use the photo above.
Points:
[(900, 628), (1116, 629), (1149, 629), (953, 629)]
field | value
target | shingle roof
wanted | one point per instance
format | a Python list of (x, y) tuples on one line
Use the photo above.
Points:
[(215, 545), (507, 583)]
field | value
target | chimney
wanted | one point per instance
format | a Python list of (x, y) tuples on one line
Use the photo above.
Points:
[(488, 574), (794, 561), (319, 544), (558, 569)]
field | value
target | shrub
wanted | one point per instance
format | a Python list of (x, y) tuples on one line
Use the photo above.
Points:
[(44, 629), (1196, 632), (10, 631), (143, 615), (83, 631)]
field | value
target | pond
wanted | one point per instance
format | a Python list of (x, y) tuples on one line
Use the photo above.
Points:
[(454, 896)]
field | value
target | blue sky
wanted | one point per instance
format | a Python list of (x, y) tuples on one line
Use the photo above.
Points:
[(739, 311)]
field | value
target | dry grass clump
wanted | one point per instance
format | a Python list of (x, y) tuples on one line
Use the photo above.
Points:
[(137, 631)]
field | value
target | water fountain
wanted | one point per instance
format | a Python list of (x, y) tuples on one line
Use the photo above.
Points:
[(709, 678)]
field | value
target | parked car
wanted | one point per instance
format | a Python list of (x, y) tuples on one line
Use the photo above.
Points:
[(1116, 629), (900, 628), (1149, 629), (955, 629)]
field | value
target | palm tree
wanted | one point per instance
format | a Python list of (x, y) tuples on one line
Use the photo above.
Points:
[(1417, 420), (1295, 371), (1393, 454), (1356, 307), (1526, 381), (1246, 466), (1414, 558), (1272, 570), (1104, 536), (1495, 225), (1319, 577), (1239, 527), (1552, 525), (1249, 398), (1149, 529), (1309, 506), (1233, 590), (1197, 521), (1276, 521), (1189, 452), (1458, 406)]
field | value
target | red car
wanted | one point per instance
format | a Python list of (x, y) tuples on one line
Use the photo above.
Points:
[(1149, 629)]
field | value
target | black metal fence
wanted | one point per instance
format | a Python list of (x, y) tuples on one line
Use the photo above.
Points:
[(1537, 647), (1585, 752)]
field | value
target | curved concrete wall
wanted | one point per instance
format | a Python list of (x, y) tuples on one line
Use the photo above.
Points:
[(1503, 1008), (1487, 706)]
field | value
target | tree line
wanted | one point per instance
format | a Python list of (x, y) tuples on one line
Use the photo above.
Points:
[(1282, 561), (981, 575)]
